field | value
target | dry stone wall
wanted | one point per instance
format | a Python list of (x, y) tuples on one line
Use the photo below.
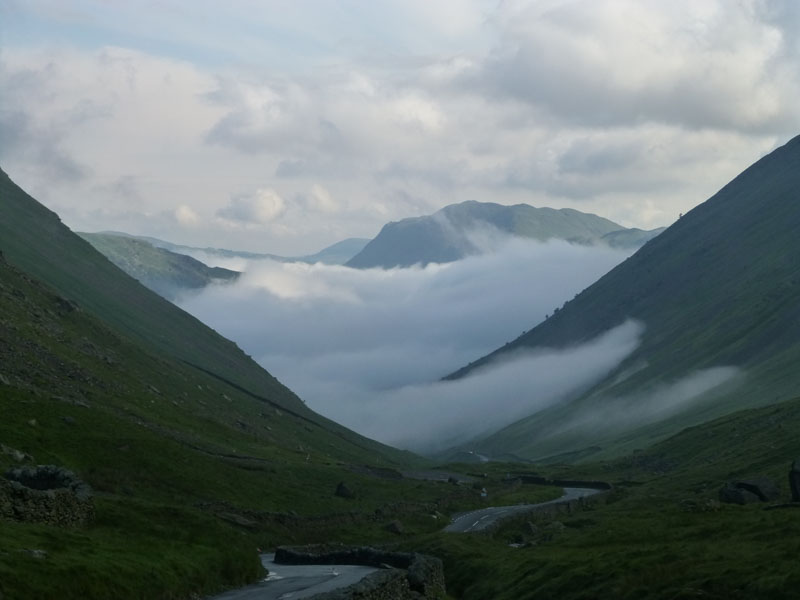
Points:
[(45, 494)]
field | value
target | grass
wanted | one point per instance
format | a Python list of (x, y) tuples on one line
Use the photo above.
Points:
[(661, 534)]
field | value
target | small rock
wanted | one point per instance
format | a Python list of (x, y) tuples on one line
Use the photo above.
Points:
[(4, 380), (33, 422), (395, 527), (68, 420), (16, 455), (35, 553), (342, 491)]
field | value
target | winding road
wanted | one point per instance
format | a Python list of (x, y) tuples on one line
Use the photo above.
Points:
[(482, 519), (291, 582)]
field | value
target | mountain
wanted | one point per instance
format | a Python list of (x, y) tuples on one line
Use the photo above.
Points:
[(167, 273), (338, 253), (719, 289), (195, 453), (459, 230), (335, 254)]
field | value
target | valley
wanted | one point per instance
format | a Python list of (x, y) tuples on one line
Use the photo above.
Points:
[(208, 460), (453, 300)]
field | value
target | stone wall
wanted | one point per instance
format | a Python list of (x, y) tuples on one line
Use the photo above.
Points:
[(45, 494), (407, 575)]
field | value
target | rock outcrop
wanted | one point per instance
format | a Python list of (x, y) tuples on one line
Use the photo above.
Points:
[(745, 491), (45, 494)]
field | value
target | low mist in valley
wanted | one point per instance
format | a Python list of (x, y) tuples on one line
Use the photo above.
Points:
[(364, 347)]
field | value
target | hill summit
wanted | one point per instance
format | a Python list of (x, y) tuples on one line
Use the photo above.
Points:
[(460, 230)]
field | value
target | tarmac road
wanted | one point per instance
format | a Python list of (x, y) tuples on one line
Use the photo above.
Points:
[(479, 520), (290, 582)]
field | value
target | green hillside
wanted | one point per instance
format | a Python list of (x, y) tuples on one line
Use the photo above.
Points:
[(720, 287), (190, 473), (661, 534), (167, 273), (451, 233), (195, 459), (34, 240)]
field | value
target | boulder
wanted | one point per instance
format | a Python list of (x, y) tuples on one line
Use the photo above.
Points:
[(343, 491), (395, 527), (794, 480), (745, 491)]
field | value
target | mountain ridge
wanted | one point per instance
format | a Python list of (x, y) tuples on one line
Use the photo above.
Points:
[(460, 230), (167, 273), (720, 287)]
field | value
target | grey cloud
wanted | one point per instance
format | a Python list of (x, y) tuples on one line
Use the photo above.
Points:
[(20, 139), (27, 139), (587, 69)]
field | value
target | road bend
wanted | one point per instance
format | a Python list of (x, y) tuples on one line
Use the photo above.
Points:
[(484, 518)]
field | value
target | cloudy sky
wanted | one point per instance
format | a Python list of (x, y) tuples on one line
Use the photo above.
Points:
[(286, 125)]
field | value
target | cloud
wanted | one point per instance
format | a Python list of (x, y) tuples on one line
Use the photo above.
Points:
[(259, 208), (347, 340), (623, 62), (186, 216), (636, 111), (320, 200), (434, 416), (608, 415)]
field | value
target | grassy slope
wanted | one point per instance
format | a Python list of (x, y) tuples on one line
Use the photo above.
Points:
[(442, 237), (719, 287), (95, 376), (166, 273), (662, 535), (34, 239), (173, 454)]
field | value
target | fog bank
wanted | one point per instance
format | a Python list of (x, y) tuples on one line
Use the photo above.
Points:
[(363, 346)]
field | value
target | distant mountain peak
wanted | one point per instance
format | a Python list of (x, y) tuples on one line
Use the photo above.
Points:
[(445, 236)]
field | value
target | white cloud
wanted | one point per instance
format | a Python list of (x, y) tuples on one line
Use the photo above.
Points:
[(259, 208), (186, 216), (321, 200)]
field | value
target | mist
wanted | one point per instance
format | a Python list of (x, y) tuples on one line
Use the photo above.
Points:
[(659, 402), (367, 347)]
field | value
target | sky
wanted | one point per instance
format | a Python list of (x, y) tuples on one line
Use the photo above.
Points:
[(284, 126)]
